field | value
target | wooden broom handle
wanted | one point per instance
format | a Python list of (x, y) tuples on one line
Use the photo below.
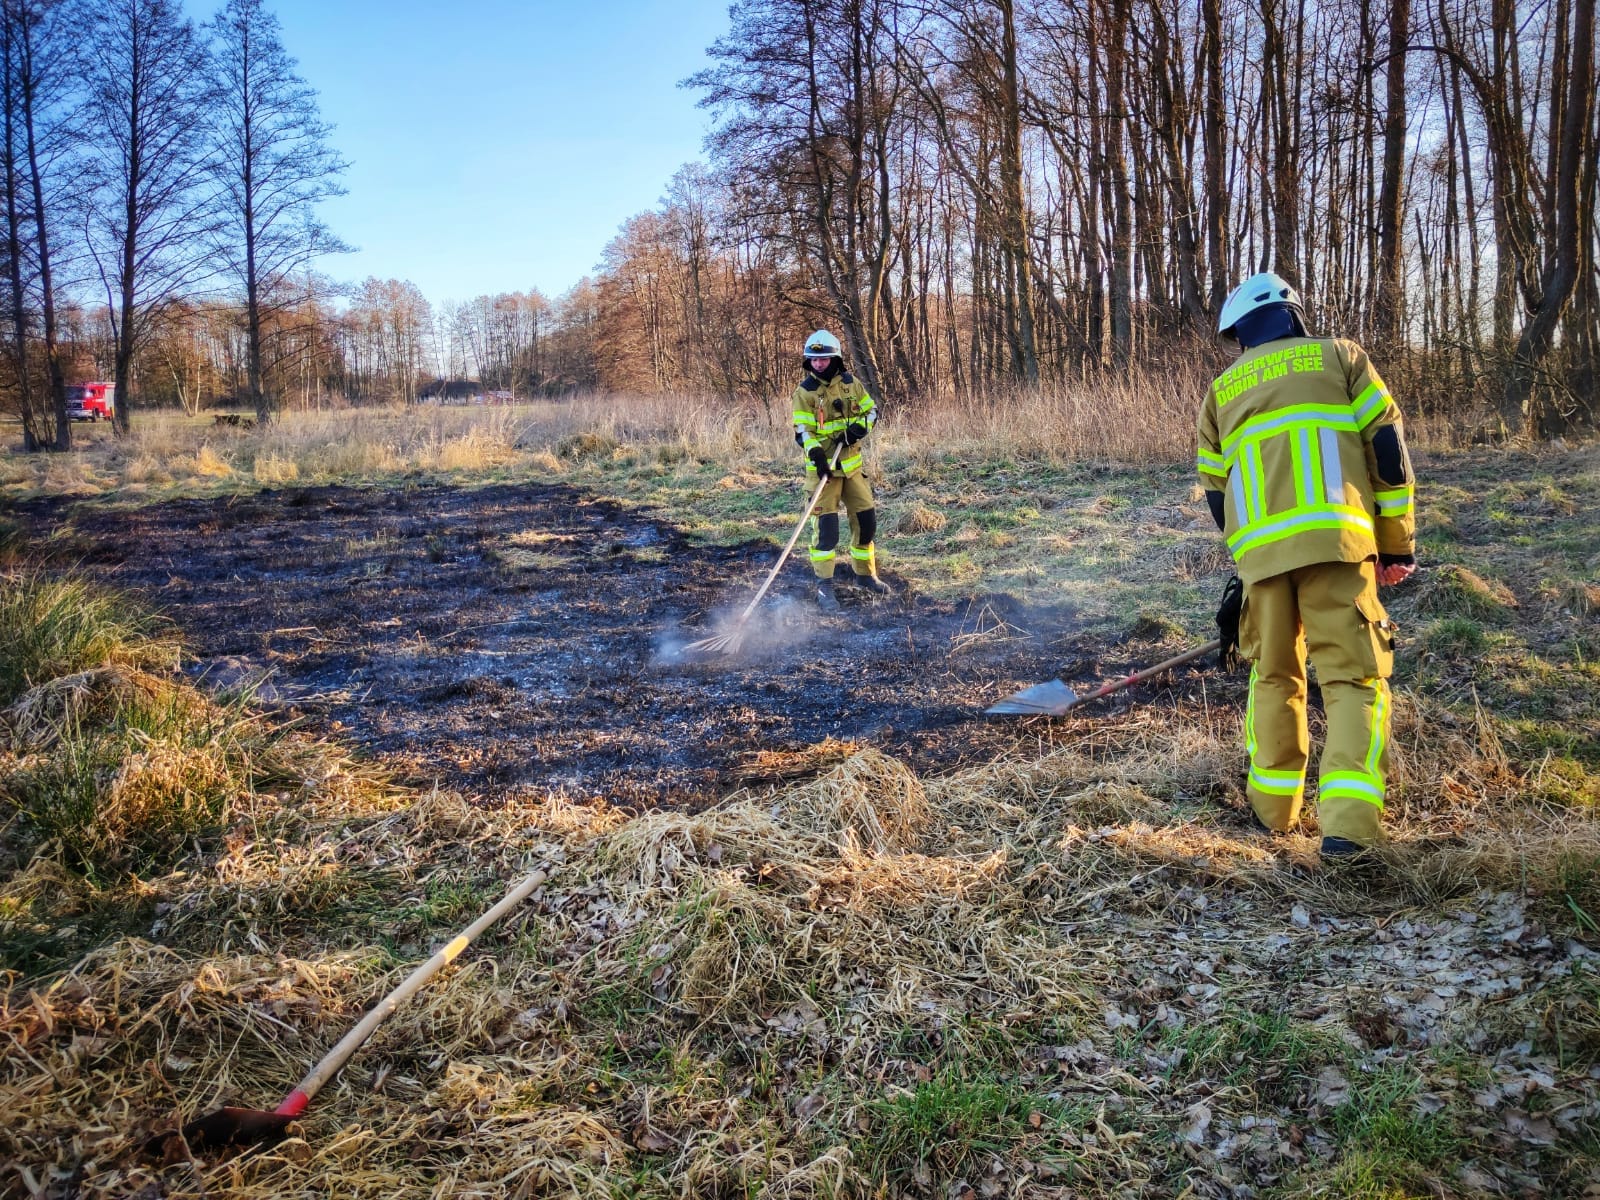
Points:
[(295, 1102), (793, 537)]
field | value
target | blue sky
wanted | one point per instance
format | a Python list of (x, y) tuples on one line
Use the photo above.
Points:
[(496, 145)]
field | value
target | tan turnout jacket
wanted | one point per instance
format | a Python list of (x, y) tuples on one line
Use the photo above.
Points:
[(1286, 435)]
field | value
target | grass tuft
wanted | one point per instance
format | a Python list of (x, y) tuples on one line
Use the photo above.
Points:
[(50, 627), (1456, 591), (919, 518)]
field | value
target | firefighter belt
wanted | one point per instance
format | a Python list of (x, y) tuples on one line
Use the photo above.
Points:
[(1332, 610)]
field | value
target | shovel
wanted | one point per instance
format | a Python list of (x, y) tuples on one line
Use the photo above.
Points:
[(241, 1126), (1055, 698), (729, 642)]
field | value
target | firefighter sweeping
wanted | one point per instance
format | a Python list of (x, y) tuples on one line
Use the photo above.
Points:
[(1306, 471), (832, 411)]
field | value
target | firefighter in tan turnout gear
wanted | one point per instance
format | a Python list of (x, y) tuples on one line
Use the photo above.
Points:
[(1306, 471), (833, 411)]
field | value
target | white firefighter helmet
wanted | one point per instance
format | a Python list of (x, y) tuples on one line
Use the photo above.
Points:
[(1257, 292), (823, 344)]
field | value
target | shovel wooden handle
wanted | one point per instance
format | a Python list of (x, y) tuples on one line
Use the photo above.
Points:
[(793, 538), (295, 1102), (1137, 677)]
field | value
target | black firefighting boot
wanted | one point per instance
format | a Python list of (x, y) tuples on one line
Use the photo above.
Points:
[(826, 600), (873, 584), (1338, 847)]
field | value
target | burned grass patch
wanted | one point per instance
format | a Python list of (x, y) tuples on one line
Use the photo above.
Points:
[(510, 637)]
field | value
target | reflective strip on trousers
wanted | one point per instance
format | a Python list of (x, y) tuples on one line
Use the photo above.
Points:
[(1274, 783), (1277, 783), (1354, 785), (1367, 784)]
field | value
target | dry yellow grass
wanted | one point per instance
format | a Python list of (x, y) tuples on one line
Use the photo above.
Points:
[(1138, 417), (850, 908)]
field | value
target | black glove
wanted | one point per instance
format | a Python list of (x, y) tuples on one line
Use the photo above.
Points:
[(1228, 623), (854, 432), (819, 458)]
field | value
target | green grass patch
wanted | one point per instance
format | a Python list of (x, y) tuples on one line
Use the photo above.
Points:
[(51, 627), (1457, 591), (1389, 1145), (1268, 1051), (951, 1124)]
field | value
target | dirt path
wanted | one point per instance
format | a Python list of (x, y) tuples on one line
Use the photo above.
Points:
[(513, 636)]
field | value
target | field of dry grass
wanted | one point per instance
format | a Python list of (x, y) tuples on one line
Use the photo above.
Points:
[(1074, 975)]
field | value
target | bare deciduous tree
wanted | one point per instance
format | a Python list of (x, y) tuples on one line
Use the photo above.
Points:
[(147, 104), (273, 165)]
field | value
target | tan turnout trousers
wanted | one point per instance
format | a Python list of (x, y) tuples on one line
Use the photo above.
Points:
[(1331, 609), (854, 494)]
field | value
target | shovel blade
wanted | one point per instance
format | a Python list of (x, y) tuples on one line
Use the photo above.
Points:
[(1041, 700), (225, 1127)]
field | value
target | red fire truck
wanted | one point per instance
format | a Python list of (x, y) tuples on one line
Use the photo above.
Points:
[(91, 401)]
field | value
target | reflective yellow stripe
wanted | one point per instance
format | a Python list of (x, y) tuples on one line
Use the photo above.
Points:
[(1210, 462), (1300, 457), (1277, 783), (1298, 520), (1274, 783), (808, 419), (1250, 717), (821, 555), (1318, 416), (1394, 502), (1380, 722), (1369, 405), (1256, 482), (850, 464), (1354, 785)]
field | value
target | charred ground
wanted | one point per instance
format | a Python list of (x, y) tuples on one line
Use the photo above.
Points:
[(522, 636)]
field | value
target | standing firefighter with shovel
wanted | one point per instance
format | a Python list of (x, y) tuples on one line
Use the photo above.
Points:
[(833, 412), (1307, 474)]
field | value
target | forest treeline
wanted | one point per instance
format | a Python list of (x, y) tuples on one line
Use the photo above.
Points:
[(981, 198)]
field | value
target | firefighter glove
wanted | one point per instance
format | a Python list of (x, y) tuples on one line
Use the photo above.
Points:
[(819, 459), (854, 432), (1228, 623)]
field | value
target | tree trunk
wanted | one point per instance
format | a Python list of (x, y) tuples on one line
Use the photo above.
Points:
[(1216, 214), (1116, 182), (1563, 253), (1016, 216), (1389, 313)]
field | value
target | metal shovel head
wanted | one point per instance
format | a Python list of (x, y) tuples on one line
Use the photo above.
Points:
[(225, 1127), (1041, 700)]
